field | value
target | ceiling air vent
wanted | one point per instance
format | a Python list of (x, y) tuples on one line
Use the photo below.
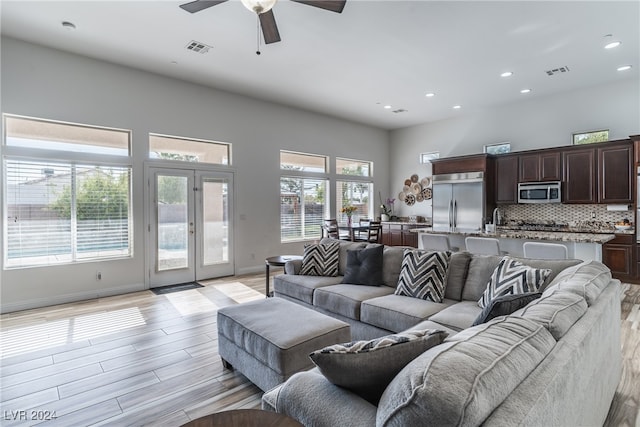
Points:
[(400, 110), (198, 47), (559, 70)]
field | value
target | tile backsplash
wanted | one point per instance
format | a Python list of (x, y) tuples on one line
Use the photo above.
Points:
[(572, 215)]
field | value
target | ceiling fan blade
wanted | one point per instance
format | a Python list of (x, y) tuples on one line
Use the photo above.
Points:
[(269, 27), (198, 5), (332, 5)]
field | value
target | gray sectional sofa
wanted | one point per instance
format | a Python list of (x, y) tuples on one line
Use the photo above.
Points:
[(556, 362)]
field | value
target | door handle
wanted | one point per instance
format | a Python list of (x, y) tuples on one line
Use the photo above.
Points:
[(455, 214)]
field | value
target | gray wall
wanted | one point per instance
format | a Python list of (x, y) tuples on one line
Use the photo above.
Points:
[(46, 83), (530, 124)]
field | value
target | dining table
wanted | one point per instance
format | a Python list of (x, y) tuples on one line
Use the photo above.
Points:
[(353, 230)]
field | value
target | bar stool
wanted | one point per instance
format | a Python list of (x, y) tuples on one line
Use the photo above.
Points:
[(541, 250), (435, 242), (483, 245)]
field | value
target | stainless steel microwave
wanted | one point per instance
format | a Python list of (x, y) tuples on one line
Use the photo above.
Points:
[(539, 192)]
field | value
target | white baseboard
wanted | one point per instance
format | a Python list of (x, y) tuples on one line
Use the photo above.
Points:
[(250, 270), (67, 298)]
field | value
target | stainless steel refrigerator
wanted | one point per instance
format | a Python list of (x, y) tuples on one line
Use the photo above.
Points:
[(458, 202)]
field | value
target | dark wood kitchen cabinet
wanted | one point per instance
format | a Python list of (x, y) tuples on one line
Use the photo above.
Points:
[(618, 255), (398, 234), (541, 166), (579, 176), (506, 179), (615, 173)]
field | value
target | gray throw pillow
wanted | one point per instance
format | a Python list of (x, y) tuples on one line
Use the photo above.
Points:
[(423, 274), (364, 266), (505, 305), (512, 277), (321, 259), (367, 367)]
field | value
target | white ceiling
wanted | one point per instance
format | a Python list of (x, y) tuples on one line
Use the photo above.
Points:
[(352, 64)]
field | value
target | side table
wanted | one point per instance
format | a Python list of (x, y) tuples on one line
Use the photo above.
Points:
[(276, 261), (244, 418)]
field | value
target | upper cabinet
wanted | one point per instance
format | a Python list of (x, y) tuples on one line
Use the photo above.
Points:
[(506, 179), (541, 166), (579, 176), (462, 164), (615, 168), (599, 173)]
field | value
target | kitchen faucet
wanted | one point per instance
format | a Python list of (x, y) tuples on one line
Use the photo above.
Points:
[(496, 217)]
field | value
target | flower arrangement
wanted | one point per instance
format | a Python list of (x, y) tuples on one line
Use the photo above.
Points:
[(348, 210)]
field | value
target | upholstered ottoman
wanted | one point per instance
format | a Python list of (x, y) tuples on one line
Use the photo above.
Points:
[(269, 340)]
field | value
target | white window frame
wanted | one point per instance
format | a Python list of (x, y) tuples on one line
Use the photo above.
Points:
[(70, 158), (355, 179), (303, 175)]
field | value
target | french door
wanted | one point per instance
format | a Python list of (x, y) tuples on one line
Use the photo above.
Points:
[(190, 225)]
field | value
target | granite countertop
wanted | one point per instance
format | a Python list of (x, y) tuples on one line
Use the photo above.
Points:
[(557, 236), (421, 224)]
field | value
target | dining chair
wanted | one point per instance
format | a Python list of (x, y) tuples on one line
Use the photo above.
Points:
[(483, 245), (330, 228), (435, 242), (541, 250), (373, 233)]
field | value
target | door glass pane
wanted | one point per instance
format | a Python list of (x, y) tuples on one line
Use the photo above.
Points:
[(173, 222), (216, 221)]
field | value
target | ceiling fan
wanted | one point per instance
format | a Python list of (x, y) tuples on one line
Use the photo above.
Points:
[(263, 9)]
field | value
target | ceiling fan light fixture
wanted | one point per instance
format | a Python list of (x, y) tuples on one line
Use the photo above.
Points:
[(259, 6)]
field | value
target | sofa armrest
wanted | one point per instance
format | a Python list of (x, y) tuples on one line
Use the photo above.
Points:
[(312, 400), (293, 266)]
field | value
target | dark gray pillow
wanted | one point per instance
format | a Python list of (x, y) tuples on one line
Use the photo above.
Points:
[(505, 305), (367, 367), (364, 266)]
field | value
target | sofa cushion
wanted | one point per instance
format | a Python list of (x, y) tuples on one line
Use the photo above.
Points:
[(345, 299), (364, 266), (557, 310), (587, 279), (512, 277), (397, 313), (504, 305), (462, 381), (367, 367), (458, 316), (392, 264), (321, 259), (345, 246), (457, 275), (423, 274), (482, 266), (301, 287)]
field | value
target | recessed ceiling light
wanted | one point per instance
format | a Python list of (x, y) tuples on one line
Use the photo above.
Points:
[(387, 107), (525, 91), (70, 26), (624, 68), (457, 107), (507, 74), (430, 95), (612, 45)]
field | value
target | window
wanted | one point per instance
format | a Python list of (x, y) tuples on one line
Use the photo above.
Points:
[(354, 191), (499, 148), (353, 167), (303, 192), (591, 137), (63, 211), (189, 150), (427, 157)]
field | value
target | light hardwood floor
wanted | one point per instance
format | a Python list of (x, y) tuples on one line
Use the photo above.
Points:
[(144, 359)]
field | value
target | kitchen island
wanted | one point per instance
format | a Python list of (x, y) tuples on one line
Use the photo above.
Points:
[(580, 245)]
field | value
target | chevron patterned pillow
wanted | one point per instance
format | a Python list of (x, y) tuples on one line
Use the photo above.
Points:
[(423, 274), (321, 259), (513, 277)]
